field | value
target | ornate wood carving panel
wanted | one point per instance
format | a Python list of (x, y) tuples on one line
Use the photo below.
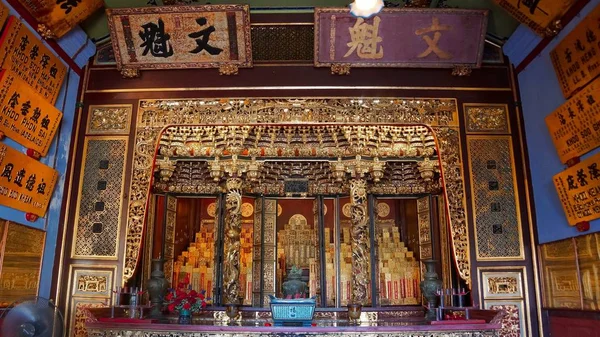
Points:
[(495, 199), (98, 214)]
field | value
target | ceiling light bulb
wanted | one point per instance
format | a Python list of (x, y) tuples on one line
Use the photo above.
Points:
[(366, 8)]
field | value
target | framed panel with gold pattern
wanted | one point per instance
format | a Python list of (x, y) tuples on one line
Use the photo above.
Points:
[(101, 188), (109, 119), (486, 118), (92, 280)]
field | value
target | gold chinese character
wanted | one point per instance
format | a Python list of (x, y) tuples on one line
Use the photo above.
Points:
[(433, 43), (364, 39)]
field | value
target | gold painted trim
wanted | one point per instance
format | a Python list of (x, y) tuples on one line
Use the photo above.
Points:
[(76, 223), (532, 236), (88, 132), (525, 297), (67, 217), (485, 105), (516, 196), (325, 87)]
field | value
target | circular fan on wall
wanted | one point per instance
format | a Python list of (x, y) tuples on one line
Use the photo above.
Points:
[(247, 209), (211, 209), (383, 209), (324, 209)]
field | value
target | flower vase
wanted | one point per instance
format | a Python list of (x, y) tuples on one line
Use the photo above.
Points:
[(429, 287), (185, 317)]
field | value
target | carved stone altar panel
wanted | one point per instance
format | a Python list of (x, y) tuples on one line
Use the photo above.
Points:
[(440, 113)]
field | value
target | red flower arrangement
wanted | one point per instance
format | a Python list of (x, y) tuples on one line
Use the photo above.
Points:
[(185, 298)]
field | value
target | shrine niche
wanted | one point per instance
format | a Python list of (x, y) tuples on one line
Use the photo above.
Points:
[(314, 157)]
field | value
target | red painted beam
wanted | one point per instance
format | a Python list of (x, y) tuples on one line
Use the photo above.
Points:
[(569, 15), (27, 17)]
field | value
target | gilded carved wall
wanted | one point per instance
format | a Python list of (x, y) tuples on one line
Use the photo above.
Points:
[(441, 115)]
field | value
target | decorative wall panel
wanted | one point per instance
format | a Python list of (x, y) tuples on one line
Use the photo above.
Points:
[(80, 316), (171, 214), (424, 222), (257, 252), (505, 287), (512, 323), (488, 118), (589, 270), (109, 119), (21, 252), (283, 43), (495, 204), (269, 249), (502, 285), (92, 283), (98, 216), (561, 274)]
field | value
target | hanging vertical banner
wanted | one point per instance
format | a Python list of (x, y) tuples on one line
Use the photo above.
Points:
[(60, 16), (538, 15), (24, 53), (575, 125), (26, 117), (576, 59), (25, 183), (578, 189)]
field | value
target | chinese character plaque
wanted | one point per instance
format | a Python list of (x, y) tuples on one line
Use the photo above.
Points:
[(181, 36), (414, 38)]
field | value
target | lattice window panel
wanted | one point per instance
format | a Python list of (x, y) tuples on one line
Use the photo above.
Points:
[(495, 204), (102, 182)]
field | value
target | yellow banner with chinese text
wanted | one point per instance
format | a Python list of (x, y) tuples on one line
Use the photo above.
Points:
[(60, 16), (22, 52), (578, 189), (576, 59), (575, 126), (538, 15), (25, 116), (25, 183)]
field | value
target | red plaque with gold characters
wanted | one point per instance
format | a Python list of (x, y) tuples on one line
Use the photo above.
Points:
[(26, 117), (575, 126), (576, 59), (60, 16), (25, 183), (22, 52), (540, 16), (181, 36)]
